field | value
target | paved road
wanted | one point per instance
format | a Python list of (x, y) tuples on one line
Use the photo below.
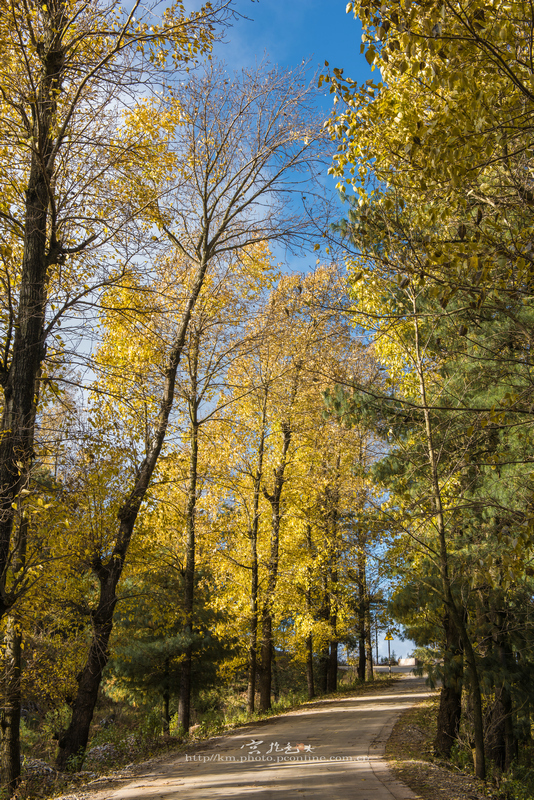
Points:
[(330, 751)]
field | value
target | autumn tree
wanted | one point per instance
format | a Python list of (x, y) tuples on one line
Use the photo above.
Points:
[(453, 475), (38, 660), (218, 337), (325, 589), (234, 140), (280, 460), (438, 153), (69, 70)]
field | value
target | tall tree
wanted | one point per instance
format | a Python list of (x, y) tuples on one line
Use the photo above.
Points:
[(281, 464), (437, 153), (69, 67), (218, 336), (235, 141)]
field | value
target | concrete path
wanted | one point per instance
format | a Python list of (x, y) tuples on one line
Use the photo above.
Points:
[(329, 751)]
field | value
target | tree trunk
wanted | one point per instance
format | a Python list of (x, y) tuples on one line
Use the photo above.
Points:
[(324, 615), (476, 699), (10, 712), (265, 673), (376, 638), (510, 743), (323, 669), (309, 639), (274, 499), (184, 703), (496, 729), (253, 635), (501, 740), (73, 741), (309, 668), (331, 680), (450, 700), (362, 632), (252, 649), (332, 664), (369, 674), (184, 700), (276, 676)]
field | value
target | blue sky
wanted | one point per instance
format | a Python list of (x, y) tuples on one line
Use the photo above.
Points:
[(290, 31)]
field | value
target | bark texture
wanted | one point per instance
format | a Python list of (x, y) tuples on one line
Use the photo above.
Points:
[(253, 535), (10, 712), (450, 701), (184, 702)]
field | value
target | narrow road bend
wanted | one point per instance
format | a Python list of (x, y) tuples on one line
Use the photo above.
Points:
[(331, 750)]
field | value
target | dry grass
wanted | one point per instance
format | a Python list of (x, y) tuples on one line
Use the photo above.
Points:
[(410, 755)]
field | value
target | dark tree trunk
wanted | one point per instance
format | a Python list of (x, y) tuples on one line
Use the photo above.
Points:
[(10, 712), (274, 499), (505, 699), (476, 702), (253, 635), (276, 676), (332, 665), (252, 651), (331, 676), (184, 703), (362, 656), (184, 700), (73, 741), (323, 669), (369, 674), (265, 673), (450, 701), (496, 729), (459, 620), (501, 740), (449, 714), (362, 633), (324, 614), (309, 639), (309, 668)]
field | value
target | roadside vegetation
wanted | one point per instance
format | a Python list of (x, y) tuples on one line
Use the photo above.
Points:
[(411, 755), (124, 736)]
